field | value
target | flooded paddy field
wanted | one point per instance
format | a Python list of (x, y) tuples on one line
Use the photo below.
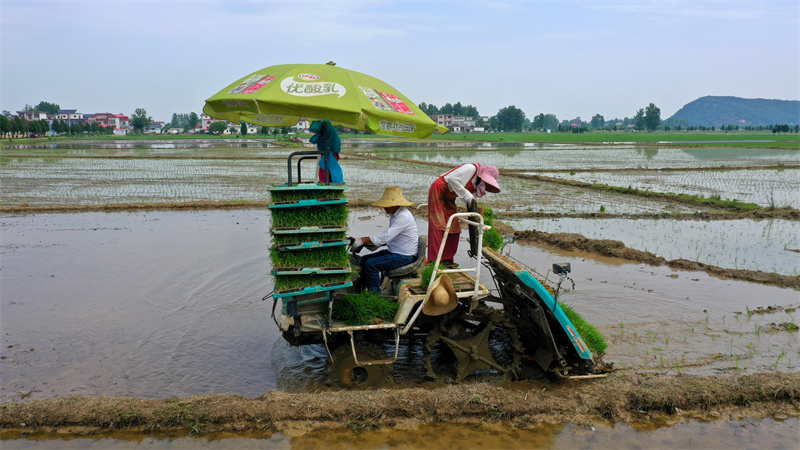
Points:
[(166, 306), (769, 245), (547, 157), (765, 187)]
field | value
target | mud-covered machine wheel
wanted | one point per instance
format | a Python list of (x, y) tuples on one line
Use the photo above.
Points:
[(484, 339), (341, 369)]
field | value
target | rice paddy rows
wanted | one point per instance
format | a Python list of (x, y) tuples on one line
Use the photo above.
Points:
[(766, 187), (769, 245), (617, 156)]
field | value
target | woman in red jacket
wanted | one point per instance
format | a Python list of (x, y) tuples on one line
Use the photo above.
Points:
[(468, 182)]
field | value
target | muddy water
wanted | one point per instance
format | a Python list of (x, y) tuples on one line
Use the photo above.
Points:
[(681, 434), (164, 304)]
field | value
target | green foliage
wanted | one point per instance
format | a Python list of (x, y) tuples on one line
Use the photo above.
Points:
[(217, 127), (140, 120), (510, 118), (310, 217), (592, 337), (49, 108), (188, 121), (364, 308), (427, 272)]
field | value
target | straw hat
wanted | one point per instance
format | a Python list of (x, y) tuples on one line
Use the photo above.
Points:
[(392, 196), (443, 297), (489, 176)]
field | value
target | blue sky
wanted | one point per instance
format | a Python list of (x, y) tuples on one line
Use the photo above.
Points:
[(569, 58)]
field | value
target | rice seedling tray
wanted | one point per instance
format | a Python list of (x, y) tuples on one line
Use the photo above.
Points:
[(309, 230), (336, 256), (287, 282), (310, 270), (311, 245), (333, 215), (307, 187), (312, 289), (308, 203)]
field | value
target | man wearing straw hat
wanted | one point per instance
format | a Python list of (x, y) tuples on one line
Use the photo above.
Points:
[(401, 240)]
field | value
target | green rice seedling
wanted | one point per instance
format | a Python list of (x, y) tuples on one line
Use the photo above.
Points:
[(736, 361), (284, 282), (427, 272), (310, 217), (280, 239), (363, 308), (597, 344), (319, 257), (783, 353), (493, 239)]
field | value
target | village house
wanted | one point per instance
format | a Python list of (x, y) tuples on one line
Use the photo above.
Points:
[(32, 115), (68, 116), (457, 124), (118, 121)]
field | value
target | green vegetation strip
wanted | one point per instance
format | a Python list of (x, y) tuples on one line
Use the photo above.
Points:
[(364, 308)]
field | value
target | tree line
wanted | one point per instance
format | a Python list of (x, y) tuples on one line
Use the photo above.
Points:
[(20, 127), (513, 119)]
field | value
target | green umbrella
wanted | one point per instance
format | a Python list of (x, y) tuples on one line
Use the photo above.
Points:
[(278, 96)]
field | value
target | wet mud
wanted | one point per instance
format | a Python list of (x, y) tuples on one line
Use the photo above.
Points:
[(631, 398)]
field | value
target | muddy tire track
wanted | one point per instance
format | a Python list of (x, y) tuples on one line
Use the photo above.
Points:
[(621, 398)]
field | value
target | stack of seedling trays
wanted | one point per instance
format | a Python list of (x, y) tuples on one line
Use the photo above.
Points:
[(309, 252)]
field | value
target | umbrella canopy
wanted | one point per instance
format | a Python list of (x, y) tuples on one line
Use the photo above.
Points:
[(278, 96)]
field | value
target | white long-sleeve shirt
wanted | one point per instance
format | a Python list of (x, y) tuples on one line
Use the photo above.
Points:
[(401, 237), (459, 178)]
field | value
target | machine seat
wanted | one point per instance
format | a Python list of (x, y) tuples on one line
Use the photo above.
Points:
[(415, 266)]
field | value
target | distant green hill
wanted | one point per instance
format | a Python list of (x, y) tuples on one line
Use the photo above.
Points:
[(719, 111)]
